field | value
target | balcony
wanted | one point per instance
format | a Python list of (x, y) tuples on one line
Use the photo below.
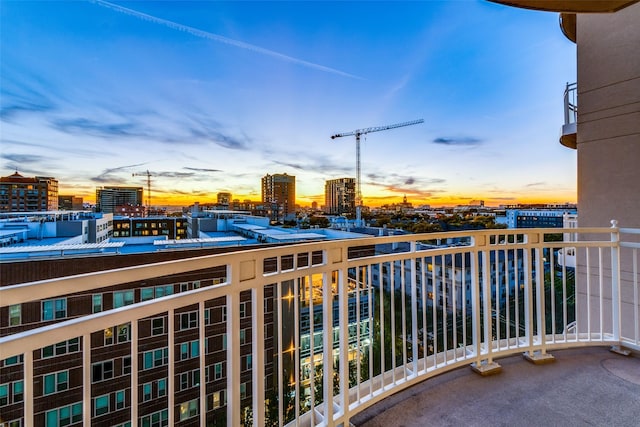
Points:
[(569, 135), (279, 332)]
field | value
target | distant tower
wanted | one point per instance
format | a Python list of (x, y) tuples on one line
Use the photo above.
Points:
[(22, 194), (107, 198), (224, 198), (280, 191), (340, 196)]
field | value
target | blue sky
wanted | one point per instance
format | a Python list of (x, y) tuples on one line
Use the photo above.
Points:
[(211, 96)]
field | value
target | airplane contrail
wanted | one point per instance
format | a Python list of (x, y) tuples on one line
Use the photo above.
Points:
[(206, 35)]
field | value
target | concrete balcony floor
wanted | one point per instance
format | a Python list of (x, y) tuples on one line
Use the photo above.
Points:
[(585, 386)]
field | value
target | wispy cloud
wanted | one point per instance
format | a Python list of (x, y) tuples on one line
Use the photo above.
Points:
[(95, 128), (201, 169), (111, 175), (221, 39), (536, 184), (458, 141), (22, 158)]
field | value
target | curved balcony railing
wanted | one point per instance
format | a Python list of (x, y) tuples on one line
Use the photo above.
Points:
[(285, 330)]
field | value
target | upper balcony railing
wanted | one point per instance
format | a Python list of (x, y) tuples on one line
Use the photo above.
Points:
[(569, 129), (348, 322)]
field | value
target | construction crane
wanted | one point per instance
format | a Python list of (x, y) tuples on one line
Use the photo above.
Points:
[(148, 175), (358, 133)]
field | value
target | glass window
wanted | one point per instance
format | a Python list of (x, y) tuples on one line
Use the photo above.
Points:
[(162, 387), (54, 309), (4, 394), (157, 326), (119, 399), (146, 392), (122, 298), (15, 315), (101, 405), (146, 294), (97, 303)]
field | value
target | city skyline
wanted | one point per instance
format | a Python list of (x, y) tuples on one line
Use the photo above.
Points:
[(210, 96)]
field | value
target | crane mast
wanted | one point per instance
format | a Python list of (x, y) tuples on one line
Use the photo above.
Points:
[(358, 133), (148, 175)]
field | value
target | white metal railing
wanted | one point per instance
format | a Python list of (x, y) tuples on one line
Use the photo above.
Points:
[(571, 103), (353, 321)]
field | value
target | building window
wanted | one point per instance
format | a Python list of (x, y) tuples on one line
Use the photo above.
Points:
[(126, 365), (54, 309), (162, 387), (4, 394), (101, 405), (243, 390), (64, 415), (189, 350), (155, 358), (119, 400), (146, 294), (122, 298), (157, 326), (102, 371), (15, 316), (157, 419), (63, 347), (216, 400), (56, 382), (217, 371), (189, 409), (97, 303), (189, 320), (147, 392), (243, 310)]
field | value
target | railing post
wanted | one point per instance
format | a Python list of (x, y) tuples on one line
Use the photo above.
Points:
[(327, 347), (257, 366), (233, 359), (616, 315), (482, 366)]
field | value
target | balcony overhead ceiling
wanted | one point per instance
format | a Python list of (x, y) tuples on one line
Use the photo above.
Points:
[(570, 6)]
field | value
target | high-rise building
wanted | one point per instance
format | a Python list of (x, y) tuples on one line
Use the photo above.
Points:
[(23, 194), (107, 198), (70, 203), (224, 198), (340, 196), (280, 191)]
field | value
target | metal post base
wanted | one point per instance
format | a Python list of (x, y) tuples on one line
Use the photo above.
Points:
[(486, 368), (539, 358), (619, 350)]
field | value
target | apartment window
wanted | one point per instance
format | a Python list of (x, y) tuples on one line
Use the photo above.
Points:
[(184, 287), (64, 415), (157, 326), (13, 360), (189, 409), (157, 419), (162, 387), (97, 303), (102, 371), (124, 332), (4, 394), (147, 392), (56, 382), (207, 316), (217, 371), (101, 405), (108, 336), (189, 350), (184, 381), (119, 400), (243, 310), (189, 320), (17, 391), (243, 390), (126, 365), (146, 294), (54, 309), (63, 347), (216, 400), (164, 290), (243, 336), (122, 298), (224, 313), (15, 315), (247, 362), (155, 358), (14, 423)]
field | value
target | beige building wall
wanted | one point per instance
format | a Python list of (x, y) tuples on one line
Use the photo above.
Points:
[(608, 144)]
